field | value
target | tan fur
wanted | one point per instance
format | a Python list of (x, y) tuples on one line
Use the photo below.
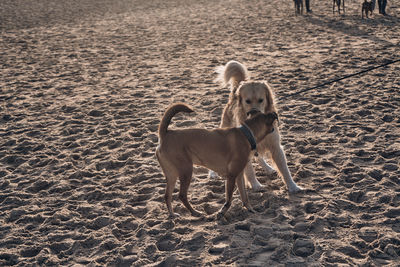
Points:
[(253, 95), (225, 151)]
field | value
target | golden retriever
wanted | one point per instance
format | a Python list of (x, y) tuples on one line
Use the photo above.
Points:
[(245, 96)]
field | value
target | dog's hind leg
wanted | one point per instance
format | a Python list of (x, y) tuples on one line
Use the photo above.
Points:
[(185, 179), (171, 181), (171, 175)]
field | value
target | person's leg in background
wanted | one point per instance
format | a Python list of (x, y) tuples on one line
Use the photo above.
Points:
[(380, 6), (308, 6), (384, 3)]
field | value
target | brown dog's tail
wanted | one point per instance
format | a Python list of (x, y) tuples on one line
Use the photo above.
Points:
[(233, 72), (169, 113)]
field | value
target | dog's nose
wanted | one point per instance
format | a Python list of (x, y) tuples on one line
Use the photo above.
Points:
[(252, 112)]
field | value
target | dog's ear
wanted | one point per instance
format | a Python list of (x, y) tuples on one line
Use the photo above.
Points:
[(271, 117), (269, 96), (276, 117)]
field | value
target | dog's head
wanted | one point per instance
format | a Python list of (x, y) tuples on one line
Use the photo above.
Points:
[(263, 122), (255, 97), (269, 121)]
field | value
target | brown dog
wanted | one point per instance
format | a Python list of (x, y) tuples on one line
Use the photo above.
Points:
[(225, 151)]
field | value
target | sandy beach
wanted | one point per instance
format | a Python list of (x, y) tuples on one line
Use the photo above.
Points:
[(82, 90)]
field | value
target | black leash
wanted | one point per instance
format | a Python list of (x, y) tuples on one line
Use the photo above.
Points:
[(342, 78)]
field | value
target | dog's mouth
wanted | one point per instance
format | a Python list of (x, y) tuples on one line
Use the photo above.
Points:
[(252, 112)]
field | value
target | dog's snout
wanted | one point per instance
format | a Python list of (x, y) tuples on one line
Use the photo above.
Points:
[(252, 112)]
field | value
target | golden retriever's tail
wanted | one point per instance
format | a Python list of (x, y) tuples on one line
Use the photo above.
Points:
[(233, 72), (169, 113)]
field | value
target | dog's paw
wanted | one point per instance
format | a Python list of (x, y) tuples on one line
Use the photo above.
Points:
[(255, 186), (258, 188), (212, 175), (295, 189)]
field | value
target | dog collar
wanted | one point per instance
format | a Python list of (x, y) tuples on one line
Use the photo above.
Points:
[(249, 135)]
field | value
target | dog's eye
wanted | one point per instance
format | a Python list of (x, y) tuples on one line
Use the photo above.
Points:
[(248, 101), (260, 100)]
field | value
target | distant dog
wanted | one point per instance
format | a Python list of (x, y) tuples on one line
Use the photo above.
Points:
[(249, 95), (337, 3), (298, 7), (367, 7), (225, 151)]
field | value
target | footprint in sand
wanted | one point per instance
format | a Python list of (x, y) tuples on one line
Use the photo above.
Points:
[(219, 244), (168, 242), (303, 247)]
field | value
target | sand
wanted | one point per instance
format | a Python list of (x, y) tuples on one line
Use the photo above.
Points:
[(83, 87)]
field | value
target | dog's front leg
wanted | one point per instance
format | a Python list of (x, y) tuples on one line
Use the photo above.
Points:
[(267, 168), (243, 192), (280, 160), (229, 188), (251, 180)]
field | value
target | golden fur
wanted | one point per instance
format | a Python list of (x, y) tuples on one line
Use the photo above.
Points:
[(249, 95)]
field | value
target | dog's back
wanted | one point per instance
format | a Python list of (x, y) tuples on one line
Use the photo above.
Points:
[(193, 145)]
